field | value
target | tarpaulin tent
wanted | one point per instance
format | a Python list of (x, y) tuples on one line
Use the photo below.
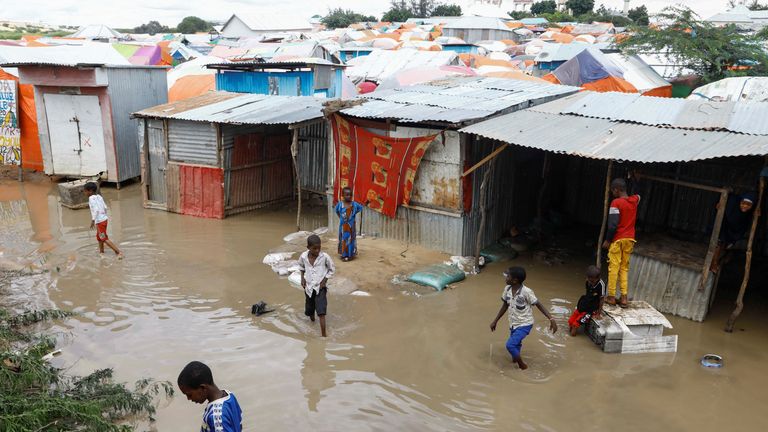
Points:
[(147, 56), (31, 156), (593, 70), (191, 86)]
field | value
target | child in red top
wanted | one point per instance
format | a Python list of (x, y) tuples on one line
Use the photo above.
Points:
[(620, 239)]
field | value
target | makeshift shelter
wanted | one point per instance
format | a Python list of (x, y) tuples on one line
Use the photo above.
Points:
[(380, 65), (261, 24), (439, 211), (472, 29), (688, 153), (83, 107), (299, 77), (29, 142), (190, 86), (591, 69), (754, 89), (97, 32), (224, 153)]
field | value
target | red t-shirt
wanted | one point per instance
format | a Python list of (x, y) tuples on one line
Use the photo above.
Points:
[(626, 208)]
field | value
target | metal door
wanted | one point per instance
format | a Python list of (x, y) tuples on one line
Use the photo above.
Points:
[(157, 160), (76, 134)]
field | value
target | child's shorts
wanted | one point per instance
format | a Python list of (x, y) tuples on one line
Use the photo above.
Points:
[(101, 231), (318, 303), (578, 318)]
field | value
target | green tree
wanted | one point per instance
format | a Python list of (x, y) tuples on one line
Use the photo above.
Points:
[(193, 24), (558, 16), (544, 6), (755, 5), (518, 15), (710, 51), (399, 11), (639, 15), (340, 18), (580, 7), (447, 10), (152, 27)]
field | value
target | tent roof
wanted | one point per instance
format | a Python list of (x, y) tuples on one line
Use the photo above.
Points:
[(97, 31), (269, 21)]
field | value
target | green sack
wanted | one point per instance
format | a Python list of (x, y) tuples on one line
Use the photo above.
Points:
[(437, 276), (497, 253)]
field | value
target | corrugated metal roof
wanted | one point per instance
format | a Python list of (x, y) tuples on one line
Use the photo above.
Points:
[(92, 54), (606, 139), (237, 108), (477, 22), (455, 100), (739, 117)]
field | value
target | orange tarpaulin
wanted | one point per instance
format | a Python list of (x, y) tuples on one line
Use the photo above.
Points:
[(31, 155), (191, 86), (607, 84)]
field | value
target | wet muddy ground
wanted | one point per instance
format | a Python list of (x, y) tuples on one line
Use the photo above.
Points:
[(403, 358)]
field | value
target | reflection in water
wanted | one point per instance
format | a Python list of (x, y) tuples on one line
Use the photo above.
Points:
[(393, 361)]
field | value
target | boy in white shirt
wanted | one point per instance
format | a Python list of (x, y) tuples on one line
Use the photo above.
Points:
[(519, 299), (99, 218), (316, 268)]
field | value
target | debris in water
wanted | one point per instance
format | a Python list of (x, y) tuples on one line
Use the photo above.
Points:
[(712, 361), (260, 309)]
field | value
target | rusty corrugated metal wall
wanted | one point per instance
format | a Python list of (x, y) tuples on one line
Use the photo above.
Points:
[(313, 157)]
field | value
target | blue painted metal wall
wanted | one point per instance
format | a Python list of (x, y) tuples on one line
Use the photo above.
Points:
[(461, 49), (549, 66), (349, 55), (258, 82)]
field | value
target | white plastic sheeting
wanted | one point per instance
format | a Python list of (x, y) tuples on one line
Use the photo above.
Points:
[(753, 89)]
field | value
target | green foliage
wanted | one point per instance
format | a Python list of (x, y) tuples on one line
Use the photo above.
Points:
[(544, 6), (518, 15), (617, 20), (193, 24), (639, 15), (340, 18), (445, 10), (558, 17), (580, 7), (35, 396), (399, 11), (11, 35), (152, 27), (711, 52), (755, 5)]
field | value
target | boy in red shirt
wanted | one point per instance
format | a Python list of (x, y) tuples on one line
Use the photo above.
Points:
[(620, 239)]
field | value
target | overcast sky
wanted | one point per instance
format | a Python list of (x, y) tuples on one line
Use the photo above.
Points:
[(130, 13)]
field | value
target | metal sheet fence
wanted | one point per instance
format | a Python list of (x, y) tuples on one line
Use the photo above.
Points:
[(313, 157)]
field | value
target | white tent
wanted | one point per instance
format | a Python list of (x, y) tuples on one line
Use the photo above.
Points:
[(97, 31), (754, 89)]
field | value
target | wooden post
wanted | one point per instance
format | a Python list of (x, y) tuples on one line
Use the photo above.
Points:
[(748, 264), (483, 201), (294, 154), (542, 191), (713, 240), (606, 203)]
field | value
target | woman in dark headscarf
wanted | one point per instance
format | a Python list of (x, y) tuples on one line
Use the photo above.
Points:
[(736, 222)]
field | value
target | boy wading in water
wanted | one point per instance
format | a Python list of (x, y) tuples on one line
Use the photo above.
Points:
[(99, 218), (223, 413), (522, 299), (620, 239), (590, 304), (347, 209), (316, 268)]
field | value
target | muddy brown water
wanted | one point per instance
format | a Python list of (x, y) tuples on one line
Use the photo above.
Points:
[(399, 359)]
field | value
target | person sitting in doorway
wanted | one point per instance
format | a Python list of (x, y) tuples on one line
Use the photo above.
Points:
[(737, 218)]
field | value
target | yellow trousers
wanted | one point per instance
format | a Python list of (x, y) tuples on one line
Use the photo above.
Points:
[(618, 265)]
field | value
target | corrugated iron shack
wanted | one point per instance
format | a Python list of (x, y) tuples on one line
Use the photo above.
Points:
[(442, 213), (224, 153), (689, 153), (298, 77), (83, 111)]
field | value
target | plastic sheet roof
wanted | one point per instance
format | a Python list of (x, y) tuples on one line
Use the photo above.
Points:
[(238, 108), (456, 100), (635, 128)]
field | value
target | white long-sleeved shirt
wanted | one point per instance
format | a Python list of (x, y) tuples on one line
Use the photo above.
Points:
[(315, 273), (98, 208)]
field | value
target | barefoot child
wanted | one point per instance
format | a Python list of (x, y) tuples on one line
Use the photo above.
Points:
[(591, 303), (347, 209), (522, 299), (99, 218), (620, 238), (223, 413), (316, 268)]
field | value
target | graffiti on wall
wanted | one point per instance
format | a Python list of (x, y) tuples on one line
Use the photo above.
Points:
[(10, 133)]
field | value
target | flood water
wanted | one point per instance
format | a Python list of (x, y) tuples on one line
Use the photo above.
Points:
[(393, 360)]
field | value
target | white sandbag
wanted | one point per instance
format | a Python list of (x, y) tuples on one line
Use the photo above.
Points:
[(297, 236), (465, 264), (321, 231), (295, 279), (285, 268), (274, 258)]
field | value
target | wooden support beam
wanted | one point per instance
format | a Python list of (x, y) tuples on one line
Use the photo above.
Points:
[(714, 239), (483, 202), (485, 159), (684, 183), (294, 154), (748, 264), (606, 202)]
